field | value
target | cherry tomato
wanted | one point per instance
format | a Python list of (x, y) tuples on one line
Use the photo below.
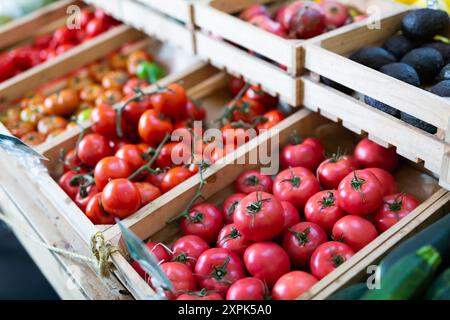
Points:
[(395, 207), (121, 198), (237, 134), (96, 213), (323, 210), (174, 177), (229, 206), (71, 161), (69, 187), (160, 253), (257, 94), (181, 277), (90, 92), (20, 129), (328, 257), (259, 216), (51, 123), (266, 261), (63, 103), (246, 110), (156, 179), (302, 154), (171, 103), (331, 172), (292, 285), (360, 193), (291, 217), (217, 269), (369, 154), (132, 155), (195, 111), (230, 238), (200, 295), (134, 84), (86, 15), (92, 148), (114, 79), (110, 168), (33, 138), (295, 185), (110, 97), (164, 159), (95, 27), (269, 120), (248, 289), (187, 249), (235, 85), (387, 180), (300, 242), (252, 181), (355, 231), (103, 118), (64, 35), (134, 110), (153, 127), (82, 200), (204, 220), (148, 192)]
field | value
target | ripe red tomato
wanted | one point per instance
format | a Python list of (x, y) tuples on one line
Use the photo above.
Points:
[(92, 148), (269, 120), (235, 85), (291, 217), (229, 206), (95, 27), (246, 110), (360, 193), (387, 180), (322, 209), (156, 179), (164, 159), (300, 242), (266, 261), (328, 257), (171, 103), (395, 207), (295, 185), (121, 198), (355, 231), (200, 295), (71, 161), (82, 200), (252, 181), (369, 154), (331, 172), (248, 289), (292, 285), (160, 253), (103, 119), (217, 269), (86, 15), (308, 154), (259, 216), (110, 168), (237, 134), (65, 183), (257, 94), (195, 111), (204, 220), (181, 277), (153, 127), (230, 238), (134, 110), (132, 155), (187, 249), (133, 84), (174, 177), (64, 35), (96, 213), (148, 192)]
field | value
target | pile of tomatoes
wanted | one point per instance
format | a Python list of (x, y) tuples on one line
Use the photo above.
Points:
[(278, 237), (38, 117), (48, 46), (125, 161)]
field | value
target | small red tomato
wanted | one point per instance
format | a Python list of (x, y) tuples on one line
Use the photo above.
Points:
[(248, 289), (387, 180), (355, 231), (133, 84), (230, 238), (269, 120), (300, 242), (71, 161), (187, 249), (369, 154), (68, 184), (252, 181), (95, 27), (291, 216), (246, 110), (164, 159), (110, 168), (173, 177), (103, 118), (200, 295), (395, 207), (235, 85), (328, 257), (237, 133), (331, 172), (180, 276), (160, 253), (156, 179), (266, 261), (92, 148), (308, 154), (229, 206), (82, 198), (134, 109), (148, 192), (121, 198), (132, 155), (257, 94), (323, 210), (153, 127), (195, 111), (204, 220), (172, 102), (96, 213), (292, 285)]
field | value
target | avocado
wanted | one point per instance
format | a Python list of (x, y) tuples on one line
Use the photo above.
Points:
[(442, 47), (382, 106), (427, 62), (444, 74), (398, 45), (373, 57), (442, 89), (335, 85), (418, 123), (424, 24)]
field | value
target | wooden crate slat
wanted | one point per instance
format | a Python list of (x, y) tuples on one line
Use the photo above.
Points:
[(179, 9)]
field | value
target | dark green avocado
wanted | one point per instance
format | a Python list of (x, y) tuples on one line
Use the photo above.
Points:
[(398, 45), (424, 24), (444, 74), (335, 85), (442, 47), (418, 123), (427, 62), (442, 89), (373, 57)]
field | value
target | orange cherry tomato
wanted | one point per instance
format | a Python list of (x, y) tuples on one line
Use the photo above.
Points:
[(114, 79), (91, 92), (32, 114), (21, 128), (135, 58), (109, 97), (174, 177), (33, 138), (119, 61), (63, 103), (51, 123)]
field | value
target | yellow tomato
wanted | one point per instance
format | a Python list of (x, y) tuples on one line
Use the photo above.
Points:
[(32, 114)]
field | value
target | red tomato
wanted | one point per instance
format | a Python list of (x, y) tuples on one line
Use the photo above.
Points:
[(291, 216), (248, 289), (164, 159), (230, 238), (323, 210), (300, 242), (360, 192), (133, 84), (328, 257), (7, 68), (252, 181), (95, 27), (134, 110), (82, 200), (195, 111), (171, 103), (308, 154), (96, 213), (270, 120), (217, 269), (65, 183), (65, 35), (132, 155), (246, 110), (71, 161), (235, 85), (369, 154), (200, 295), (266, 261), (148, 192), (160, 253), (229, 206), (181, 277), (153, 127), (156, 179), (121, 198), (116, 144), (237, 134), (92, 148), (86, 15), (387, 180), (110, 168), (355, 231), (331, 172), (103, 118), (292, 285), (187, 249), (257, 94), (295, 185), (204, 220), (259, 216), (174, 177), (395, 207)]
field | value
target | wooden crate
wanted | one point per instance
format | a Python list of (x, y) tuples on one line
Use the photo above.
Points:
[(327, 57), (166, 20)]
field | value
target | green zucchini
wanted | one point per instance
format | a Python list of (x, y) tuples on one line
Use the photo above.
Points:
[(440, 288), (353, 292), (408, 277), (436, 235)]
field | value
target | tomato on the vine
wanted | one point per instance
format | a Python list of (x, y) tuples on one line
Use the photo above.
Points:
[(83, 197), (395, 207), (68, 184), (235, 85), (323, 210), (110, 168), (96, 213), (292, 285), (328, 257), (257, 94), (148, 192), (195, 111), (246, 110), (269, 120), (153, 127), (203, 220), (252, 181), (200, 295), (103, 119), (132, 155), (121, 198), (171, 102), (174, 177)]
